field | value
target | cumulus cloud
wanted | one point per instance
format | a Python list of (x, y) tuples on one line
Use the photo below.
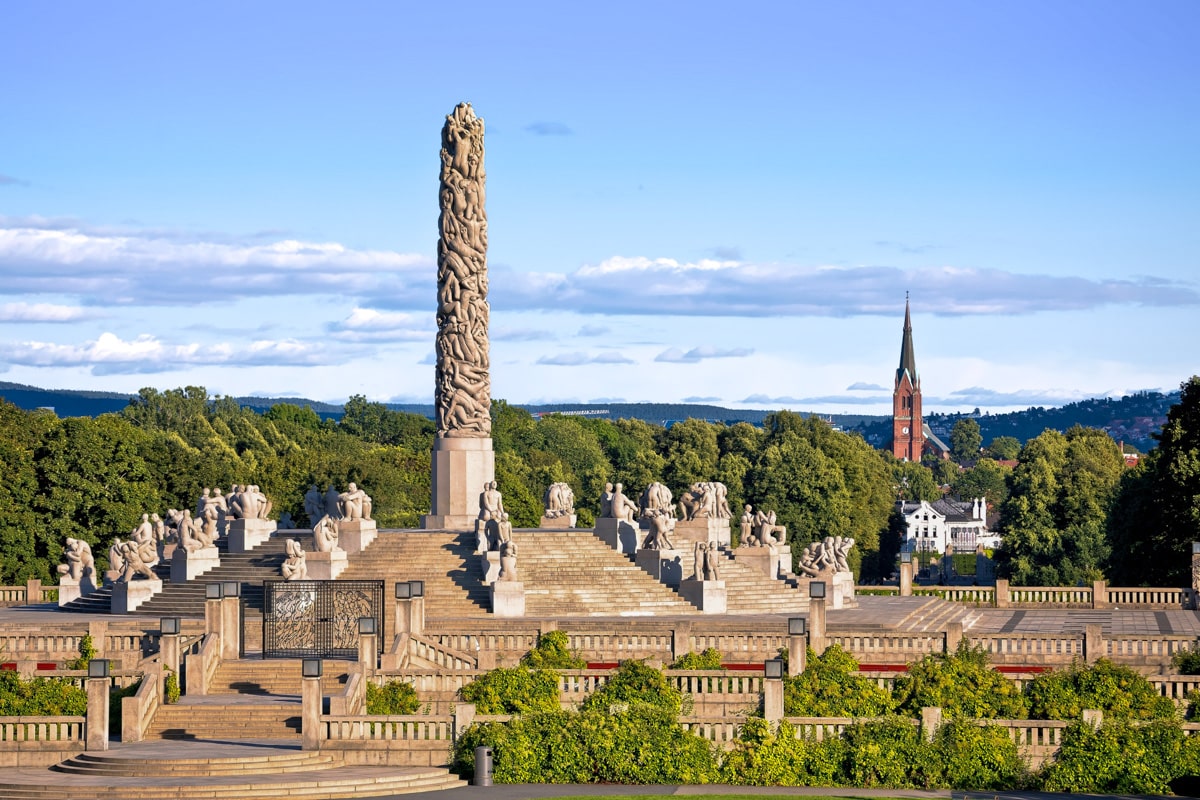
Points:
[(766, 400), (108, 267), (861, 386), (44, 312), (984, 398), (695, 399), (712, 287), (111, 355), (576, 359), (372, 325), (548, 129), (697, 354), (502, 334)]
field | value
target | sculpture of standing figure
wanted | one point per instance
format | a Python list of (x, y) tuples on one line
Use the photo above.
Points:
[(559, 500), (711, 558), (314, 503), (747, 525), (660, 525), (295, 567), (655, 497), (116, 558), (606, 498)]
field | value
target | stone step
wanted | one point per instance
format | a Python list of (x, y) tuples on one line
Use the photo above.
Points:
[(287, 762)]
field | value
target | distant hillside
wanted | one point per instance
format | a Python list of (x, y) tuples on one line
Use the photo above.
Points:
[(1133, 419)]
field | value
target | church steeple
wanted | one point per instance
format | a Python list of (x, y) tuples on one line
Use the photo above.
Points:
[(908, 427), (908, 362)]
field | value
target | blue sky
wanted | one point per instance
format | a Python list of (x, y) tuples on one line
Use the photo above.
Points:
[(692, 201)]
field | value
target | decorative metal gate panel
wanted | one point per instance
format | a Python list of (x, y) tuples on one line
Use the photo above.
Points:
[(318, 619)]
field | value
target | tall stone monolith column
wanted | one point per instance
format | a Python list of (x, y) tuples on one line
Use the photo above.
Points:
[(463, 460)]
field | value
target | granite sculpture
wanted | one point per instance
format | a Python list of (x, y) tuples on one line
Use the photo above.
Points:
[(354, 503), (79, 562), (656, 497), (295, 566), (705, 499), (325, 534), (661, 524), (559, 500)]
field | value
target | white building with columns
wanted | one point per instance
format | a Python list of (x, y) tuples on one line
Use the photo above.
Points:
[(933, 526)]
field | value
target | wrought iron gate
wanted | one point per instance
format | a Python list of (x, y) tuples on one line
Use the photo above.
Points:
[(318, 619)]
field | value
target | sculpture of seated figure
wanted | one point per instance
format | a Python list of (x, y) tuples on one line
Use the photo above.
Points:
[(705, 499), (135, 567), (143, 539), (79, 561), (606, 499), (622, 506), (503, 532), (116, 557), (192, 536), (508, 562), (491, 502), (354, 503), (325, 534), (660, 525), (295, 567), (160, 529)]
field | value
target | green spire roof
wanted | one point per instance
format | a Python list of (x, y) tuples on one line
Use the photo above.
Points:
[(908, 362)]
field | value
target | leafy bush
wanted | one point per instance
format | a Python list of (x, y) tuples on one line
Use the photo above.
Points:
[(709, 659), (552, 651), (634, 684), (889, 753), (1121, 758), (394, 697), (829, 687), (87, 651), (644, 745), (1119, 692), (512, 691), (1187, 662), (962, 684), (763, 758), (40, 697), (171, 690), (979, 757)]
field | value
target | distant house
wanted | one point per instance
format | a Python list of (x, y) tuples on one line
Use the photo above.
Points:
[(933, 526)]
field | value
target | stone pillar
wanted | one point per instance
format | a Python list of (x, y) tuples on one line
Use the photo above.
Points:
[(464, 716), (213, 616), (954, 635), (1093, 717), (97, 713), (772, 700), (816, 624), (231, 628), (368, 653), (1099, 594), (1001, 597), (797, 655), (681, 639), (33, 591), (168, 648), (931, 720), (463, 460), (311, 701), (1093, 643), (906, 578)]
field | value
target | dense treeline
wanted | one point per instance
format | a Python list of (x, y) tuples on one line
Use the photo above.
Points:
[(1070, 511)]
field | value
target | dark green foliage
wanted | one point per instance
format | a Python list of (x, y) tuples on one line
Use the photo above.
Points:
[(1187, 662), (829, 687), (87, 651), (1118, 691), (40, 697), (965, 440), (171, 690), (636, 684), (888, 753), (979, 757), (394, 697), (1121, 758), (552, 651), (709, 659), (914, 482), (962, 684), (987, 479), (1005, 448), (512, 691), (643, 745)]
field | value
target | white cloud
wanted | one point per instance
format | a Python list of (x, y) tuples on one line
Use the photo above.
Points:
[(111, 355), (862, 386), (697, 354), (44, 312), (576, 359), (371, 325)]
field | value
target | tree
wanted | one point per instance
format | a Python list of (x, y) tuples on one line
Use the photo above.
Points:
[(1156, 516), (986, 479), (914, 482), (965, 440), (1005, 448)]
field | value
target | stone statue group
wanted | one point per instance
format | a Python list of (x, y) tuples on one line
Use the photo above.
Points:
[(326, 509), (493, 529)]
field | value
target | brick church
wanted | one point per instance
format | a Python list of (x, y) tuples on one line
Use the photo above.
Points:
[(911, 437)]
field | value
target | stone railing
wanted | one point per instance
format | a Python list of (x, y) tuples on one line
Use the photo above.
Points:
[(884, 646), (1004, 595), (351, 701), (201, 666), (121, 679), (436, 653), (138, 710), (1152, 598), (40, 741), (410, 740), (31, 593)]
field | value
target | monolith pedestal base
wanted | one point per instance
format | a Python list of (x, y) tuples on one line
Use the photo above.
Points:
[(246, 534), (461, 467), (128, 595), (666, 566), (355, 534), (689, 533), (508, 599), (187, 565), (711, 597), (71, 589), (621, 535), (326, 566)]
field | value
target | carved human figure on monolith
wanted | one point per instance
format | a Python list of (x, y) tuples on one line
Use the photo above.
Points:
[(354, 503), (325, 535), (559, 500)]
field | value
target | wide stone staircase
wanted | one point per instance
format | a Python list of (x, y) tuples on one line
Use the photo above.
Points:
[(933, 615), (577, 575), (752, 592), (445, 561)]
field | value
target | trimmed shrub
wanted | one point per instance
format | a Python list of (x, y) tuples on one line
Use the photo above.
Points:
[(979, 757), (763, 758), (829, 687), (1121, 758), (709, 659), (394, 697), (633, 684), (962, 685), (171, 691), (40, 697), (552, 651), (512, 691), (889, 753), (1118, 691)]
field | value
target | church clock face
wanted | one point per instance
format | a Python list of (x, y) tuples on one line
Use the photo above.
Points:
[(904, 430)]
